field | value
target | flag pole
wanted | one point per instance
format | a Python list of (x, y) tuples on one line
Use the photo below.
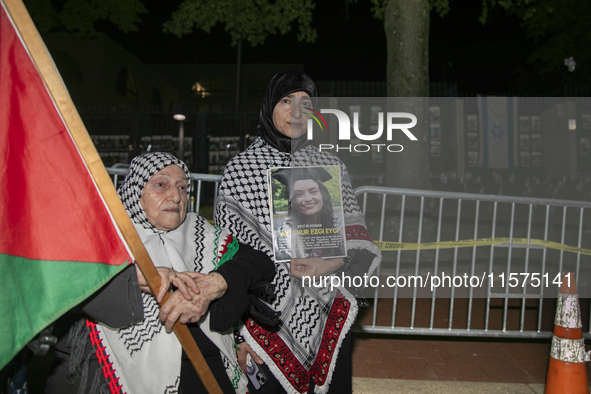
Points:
[(63, 102)]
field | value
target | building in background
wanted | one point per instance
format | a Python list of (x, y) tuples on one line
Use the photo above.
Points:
[(128, 108), (99, 73), (213, 87)]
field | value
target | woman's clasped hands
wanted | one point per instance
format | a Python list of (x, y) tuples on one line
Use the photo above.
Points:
[(189, 302)]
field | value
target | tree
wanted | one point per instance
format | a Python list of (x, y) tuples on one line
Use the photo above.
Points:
[(252, 21), (81, 15), (559, 27), (406, 25), (560, 30)]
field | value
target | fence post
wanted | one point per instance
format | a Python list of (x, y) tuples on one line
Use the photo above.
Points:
[(135, 134), (201, 150)]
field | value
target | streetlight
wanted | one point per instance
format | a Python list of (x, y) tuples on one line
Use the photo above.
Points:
[(181, 119)]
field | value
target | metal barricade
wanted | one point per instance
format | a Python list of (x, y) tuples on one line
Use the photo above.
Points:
[(523, 235), (197, 187), (405, 217)]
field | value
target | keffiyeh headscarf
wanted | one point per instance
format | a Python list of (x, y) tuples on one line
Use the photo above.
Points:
[(141, 170), (313, 322), (145, 359)]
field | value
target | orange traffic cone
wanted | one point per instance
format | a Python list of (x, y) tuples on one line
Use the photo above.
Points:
[(567, 372)]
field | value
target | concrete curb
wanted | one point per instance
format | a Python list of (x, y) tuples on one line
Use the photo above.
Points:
[(396, 386)]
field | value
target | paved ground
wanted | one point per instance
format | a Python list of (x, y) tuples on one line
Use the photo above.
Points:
[(383, 365), (418, 365), (450, 360), (390, 386), (456, 359)]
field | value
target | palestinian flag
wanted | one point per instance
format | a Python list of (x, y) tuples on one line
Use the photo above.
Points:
[(58, 240)]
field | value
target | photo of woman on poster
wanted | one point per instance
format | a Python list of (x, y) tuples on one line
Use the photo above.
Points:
[(313, 225)]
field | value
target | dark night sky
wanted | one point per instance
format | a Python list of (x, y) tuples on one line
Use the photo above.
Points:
[(351, 45)]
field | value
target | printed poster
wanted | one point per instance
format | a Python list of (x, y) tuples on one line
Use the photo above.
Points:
[(524, 159), (523, 141), (536, 159), (472, 158), (435, 131), (435, 148), (375, 115), (353, 109), (535, 123), (434, 114), (472, 140), (472, 121), (584, 146), (536, 141), (523, 123), (306, 212)]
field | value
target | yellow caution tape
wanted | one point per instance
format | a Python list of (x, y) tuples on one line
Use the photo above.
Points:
[(468, 243)]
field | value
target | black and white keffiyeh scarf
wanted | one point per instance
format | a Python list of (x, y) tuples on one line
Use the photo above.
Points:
[(145, 359), (314, 321)]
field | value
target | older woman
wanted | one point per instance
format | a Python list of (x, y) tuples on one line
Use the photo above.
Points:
[(302, 353), (142, 356)]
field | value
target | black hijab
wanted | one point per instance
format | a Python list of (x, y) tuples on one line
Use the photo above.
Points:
[(282, 84)]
